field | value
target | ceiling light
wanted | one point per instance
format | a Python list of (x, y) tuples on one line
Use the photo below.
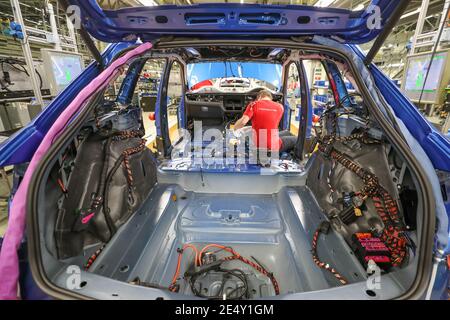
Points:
[(359, 7), (324, 3), (148, 3), (406, 15)]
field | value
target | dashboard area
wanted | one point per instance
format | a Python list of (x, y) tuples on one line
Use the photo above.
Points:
[(220, 105)]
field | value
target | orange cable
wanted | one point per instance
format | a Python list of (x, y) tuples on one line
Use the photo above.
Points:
[(180, 256)]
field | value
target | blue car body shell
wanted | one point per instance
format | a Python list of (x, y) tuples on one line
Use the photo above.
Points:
[(124, 26)]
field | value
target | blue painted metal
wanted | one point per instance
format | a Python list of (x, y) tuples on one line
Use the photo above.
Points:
[(340, 84), (127, 24), (29, 290), (127, 88), (158, 105), (441, 284), (286, 116), (218, 19), (182, 113), (20, 147), (432, 141)]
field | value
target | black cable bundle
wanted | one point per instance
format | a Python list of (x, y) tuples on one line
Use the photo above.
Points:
[(240, 292)]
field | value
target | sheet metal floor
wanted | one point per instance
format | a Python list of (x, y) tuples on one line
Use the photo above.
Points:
[(276, 229)]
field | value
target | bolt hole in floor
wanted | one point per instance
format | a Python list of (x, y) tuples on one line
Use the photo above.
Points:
[(273, 231)]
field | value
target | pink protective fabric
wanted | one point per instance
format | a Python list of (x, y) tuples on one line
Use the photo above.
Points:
[(9, 262)]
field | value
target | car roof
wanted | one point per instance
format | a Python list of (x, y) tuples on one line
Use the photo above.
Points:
[(232, 19)]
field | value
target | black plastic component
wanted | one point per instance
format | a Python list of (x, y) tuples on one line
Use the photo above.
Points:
[(161, 19), (348, 215), (7, 77), (303, 19), (325, 227), (352, 207), (215, 266), (83, 188), (408, 199), (160, 144)]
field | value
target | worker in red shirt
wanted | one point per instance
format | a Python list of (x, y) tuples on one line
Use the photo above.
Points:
[(266, 116)]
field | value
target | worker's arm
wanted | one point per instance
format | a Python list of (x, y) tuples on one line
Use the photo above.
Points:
[(248, 114), (242, 122)]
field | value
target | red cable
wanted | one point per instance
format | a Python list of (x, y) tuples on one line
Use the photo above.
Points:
[(172, 286), (61, 185), (322, 264)]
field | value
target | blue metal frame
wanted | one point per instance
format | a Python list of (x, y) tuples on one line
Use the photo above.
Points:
[(219, 19), (104, 25), (129, 83), (310, 105), (182, 113), (159, 106)]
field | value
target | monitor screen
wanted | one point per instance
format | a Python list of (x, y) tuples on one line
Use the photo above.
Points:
[(415, 77), (64, 68)]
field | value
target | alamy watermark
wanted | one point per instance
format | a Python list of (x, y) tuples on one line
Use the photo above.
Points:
[(374, 20), (73, 281), (373, 281), (73, 12)]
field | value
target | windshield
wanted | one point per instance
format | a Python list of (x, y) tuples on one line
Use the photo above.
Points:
[(237, 73)]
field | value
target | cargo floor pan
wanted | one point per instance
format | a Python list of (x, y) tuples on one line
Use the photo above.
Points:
[(276, 229)]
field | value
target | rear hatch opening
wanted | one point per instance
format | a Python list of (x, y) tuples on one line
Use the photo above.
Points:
[(342, 212)]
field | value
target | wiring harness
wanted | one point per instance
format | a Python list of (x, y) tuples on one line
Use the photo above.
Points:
[(393, 233), (101, 198), (94, 257), (385, 205), (203, 265), (324, 228), (125, 135)]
